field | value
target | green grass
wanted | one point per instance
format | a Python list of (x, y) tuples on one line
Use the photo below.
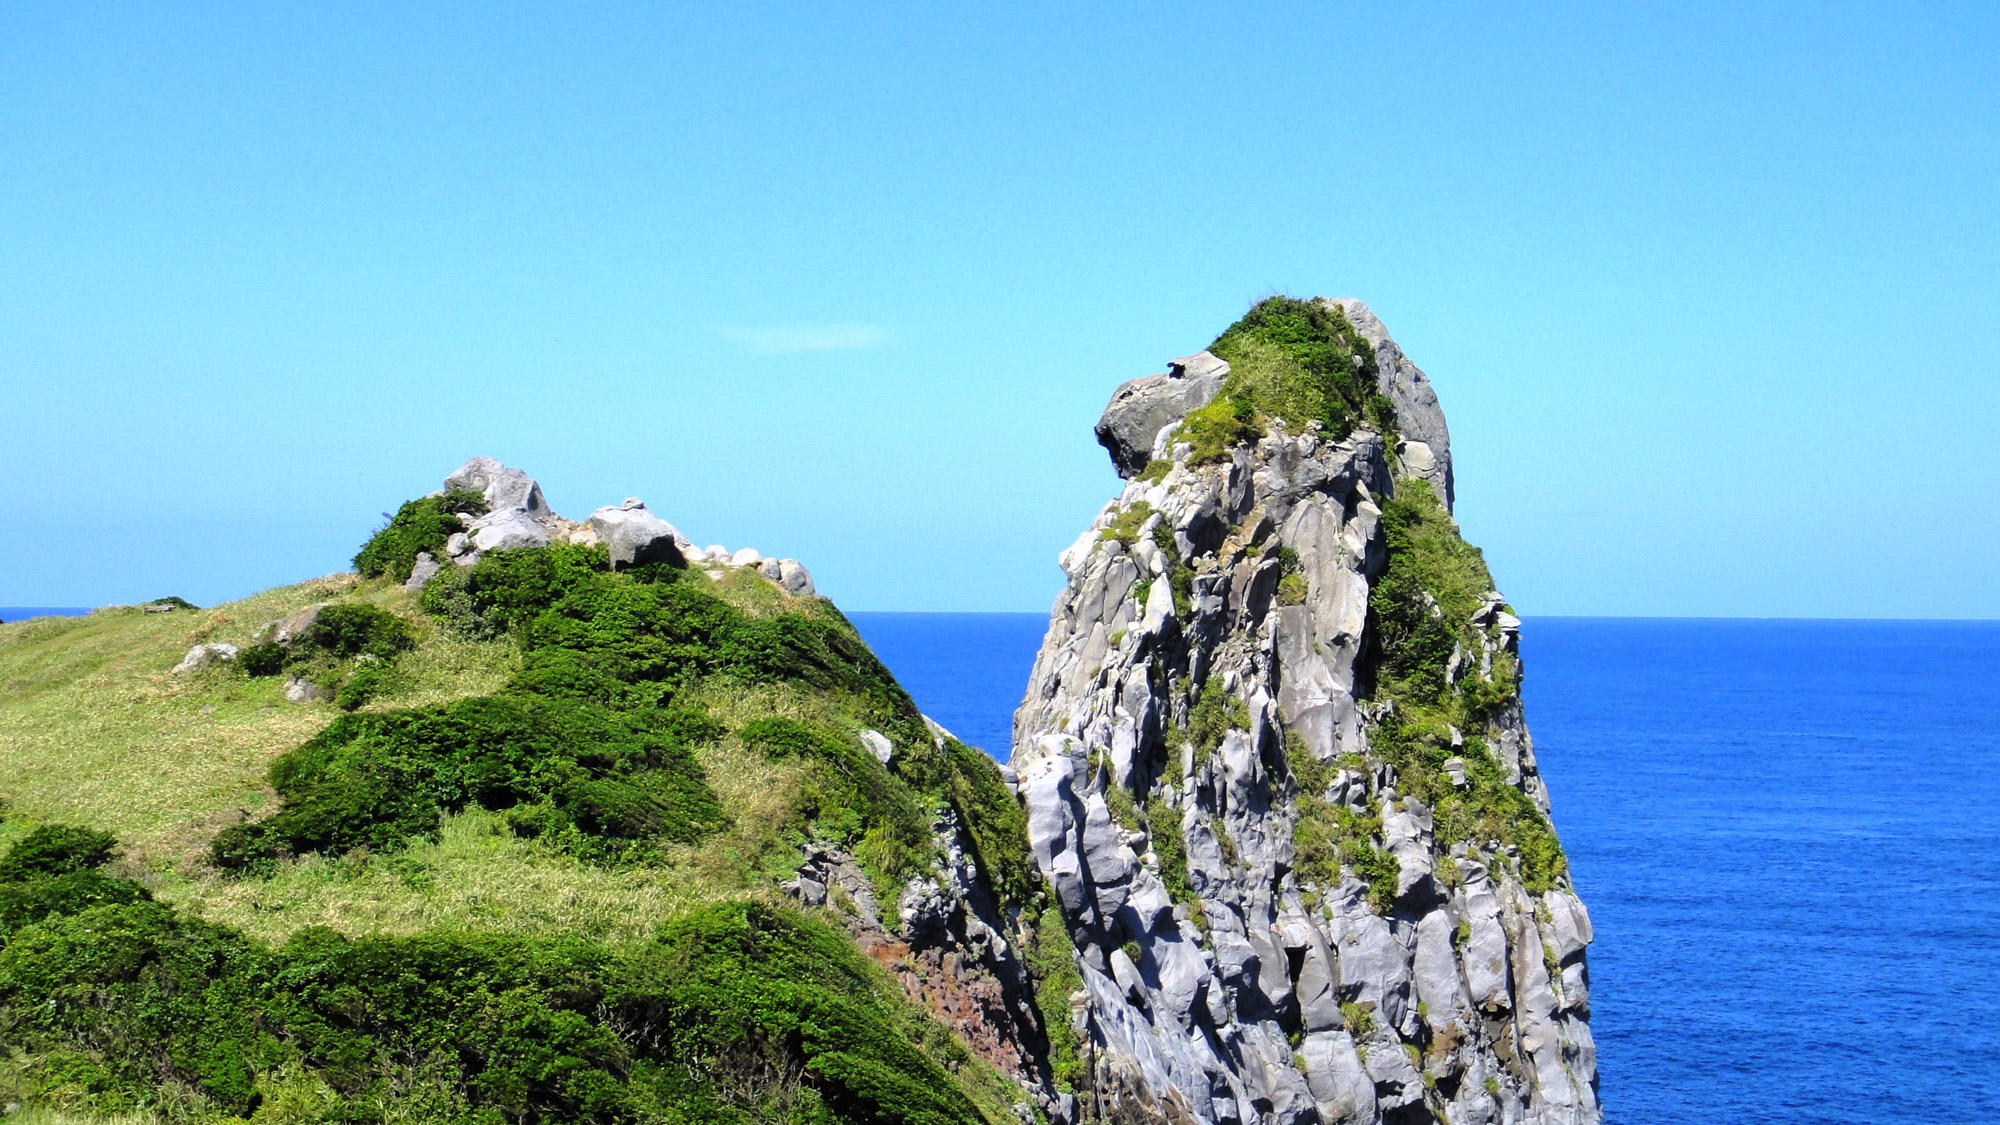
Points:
[(556, 784)]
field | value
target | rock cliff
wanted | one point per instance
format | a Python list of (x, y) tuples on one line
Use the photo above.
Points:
[(1275, 768)]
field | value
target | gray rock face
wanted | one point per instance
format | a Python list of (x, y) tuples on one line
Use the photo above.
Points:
[(634, 535), (425, 569), (201, 656), (1425, 450), (1140, 409), (1261, 993)]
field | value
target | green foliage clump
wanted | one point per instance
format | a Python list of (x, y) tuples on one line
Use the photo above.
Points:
[(1326, 836), (173, 602), (1163, 823), (1125, 528), (421, 525), (738, 1012), (266, 658), (1359, 1018), (1219, 427), (617, 781), (352, 645), (1302, 362), (1052, 968), (1292, 587), (851, 799), (1215, 714), (356, 629), (57, 849), (1419, 613), (1156, 471)]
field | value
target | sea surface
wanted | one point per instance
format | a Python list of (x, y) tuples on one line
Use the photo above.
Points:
[(1787, 833), (23, 612)]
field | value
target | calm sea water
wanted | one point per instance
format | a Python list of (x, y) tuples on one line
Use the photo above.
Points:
[(23, 612), (1785, 832)]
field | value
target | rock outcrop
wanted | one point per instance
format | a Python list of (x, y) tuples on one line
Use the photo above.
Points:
[(1306, 865), (518, 516)]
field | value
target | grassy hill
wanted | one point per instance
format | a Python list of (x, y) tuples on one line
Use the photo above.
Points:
[(525, 864)]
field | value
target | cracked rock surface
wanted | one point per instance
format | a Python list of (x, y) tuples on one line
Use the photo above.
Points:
[(1228, 977)]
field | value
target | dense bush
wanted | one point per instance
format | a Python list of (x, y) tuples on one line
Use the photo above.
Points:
[(375, 780), (356, 629), (57, 849), (418, 526), (737, 1013), (263, 659)]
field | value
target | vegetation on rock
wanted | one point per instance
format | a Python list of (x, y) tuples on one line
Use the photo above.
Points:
[(1292, 360), (419, 526)]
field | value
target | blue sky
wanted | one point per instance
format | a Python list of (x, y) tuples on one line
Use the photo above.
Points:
[(1708, 291)]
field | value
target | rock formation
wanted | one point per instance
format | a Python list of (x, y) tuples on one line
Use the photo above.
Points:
[(517, 516), (1277, 776)]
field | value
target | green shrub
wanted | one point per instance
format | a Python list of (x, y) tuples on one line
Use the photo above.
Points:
[(1216, 429), (368, 681), (34, 898), (1052, 968), (851, 799), (174, 602), (356, 629), (1125, 528), (419, 526), (1163, 823), (375, 780), (1156, 471), (265, 659), (57, 849)]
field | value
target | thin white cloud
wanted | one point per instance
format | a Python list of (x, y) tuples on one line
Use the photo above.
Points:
[(790, 339)]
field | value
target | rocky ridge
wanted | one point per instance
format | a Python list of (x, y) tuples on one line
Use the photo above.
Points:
[(1272, 922)]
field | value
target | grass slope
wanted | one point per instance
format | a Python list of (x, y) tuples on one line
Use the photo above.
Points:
[(569, 779)]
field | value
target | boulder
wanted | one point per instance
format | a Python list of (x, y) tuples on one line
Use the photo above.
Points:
[(426, 568), (879, 745), (794, 577), (298, 689), (745, 556), (505, 488), (201, 656), (634, 535), (1141, 408), (287, 629), (771, 569), (507, 530)]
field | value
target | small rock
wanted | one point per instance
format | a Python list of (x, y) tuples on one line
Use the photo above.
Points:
[(879, 745), (203, 655), (301, 690), (288, 629), (1454, 768), (208, 708), (458, 544), (716, 552), (425, 569)]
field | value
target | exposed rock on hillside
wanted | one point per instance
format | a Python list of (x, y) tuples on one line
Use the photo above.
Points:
[(1276, 772)]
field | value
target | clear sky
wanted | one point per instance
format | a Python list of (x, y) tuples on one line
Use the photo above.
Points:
[(1708, 291)]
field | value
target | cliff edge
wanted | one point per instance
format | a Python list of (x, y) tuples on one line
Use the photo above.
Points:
[(1275, 767)]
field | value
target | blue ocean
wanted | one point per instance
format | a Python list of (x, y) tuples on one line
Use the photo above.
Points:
[(1786, 833)]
